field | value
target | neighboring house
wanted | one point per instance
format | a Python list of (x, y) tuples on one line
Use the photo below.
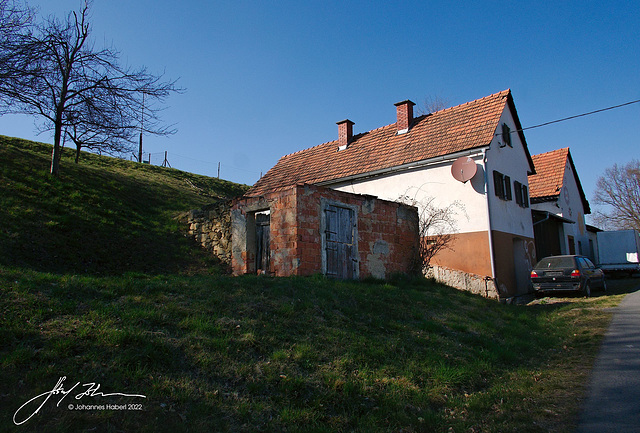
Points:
[(558, 207), (493, 250)]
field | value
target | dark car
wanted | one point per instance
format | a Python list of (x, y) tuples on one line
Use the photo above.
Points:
[(567, 273)]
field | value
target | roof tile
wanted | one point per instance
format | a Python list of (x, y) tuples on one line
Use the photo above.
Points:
[(549, 177)]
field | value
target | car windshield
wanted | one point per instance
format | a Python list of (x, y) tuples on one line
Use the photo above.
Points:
[(556, 262)]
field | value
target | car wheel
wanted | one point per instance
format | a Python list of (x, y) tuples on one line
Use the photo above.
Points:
[(587, 289)]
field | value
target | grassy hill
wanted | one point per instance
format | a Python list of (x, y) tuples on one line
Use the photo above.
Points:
[(97, 285), (101, 216)]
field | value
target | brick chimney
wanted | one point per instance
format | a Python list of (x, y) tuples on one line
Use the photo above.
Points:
[(345, 133), (404, 112)]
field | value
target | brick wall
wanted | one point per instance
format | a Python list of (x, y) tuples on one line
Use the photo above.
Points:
[(386, 232)]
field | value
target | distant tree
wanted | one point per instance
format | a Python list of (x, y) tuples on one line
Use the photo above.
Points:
[(619, 191), (85, 91), (437, 227), (432, 104)]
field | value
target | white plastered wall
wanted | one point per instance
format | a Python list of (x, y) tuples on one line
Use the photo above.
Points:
[(433, 181), (506, 215), (571, 207)]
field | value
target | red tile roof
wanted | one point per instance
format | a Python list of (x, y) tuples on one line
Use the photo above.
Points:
[(463, 127), (548, 181)]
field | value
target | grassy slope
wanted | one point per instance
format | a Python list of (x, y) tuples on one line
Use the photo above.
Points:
[(102, 216), (295, 354), (214, 353)]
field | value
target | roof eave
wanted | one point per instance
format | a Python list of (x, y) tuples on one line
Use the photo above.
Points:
[(406, 167)]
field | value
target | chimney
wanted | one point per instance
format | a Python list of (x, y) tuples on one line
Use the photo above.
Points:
[(404, 111), (345, 133)]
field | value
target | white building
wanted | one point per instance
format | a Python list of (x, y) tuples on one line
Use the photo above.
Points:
[(493, 250)]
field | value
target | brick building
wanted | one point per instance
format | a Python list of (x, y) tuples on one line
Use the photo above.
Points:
[(306, 230)]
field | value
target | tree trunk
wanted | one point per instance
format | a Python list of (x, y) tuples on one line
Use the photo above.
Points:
[(57, 137), (78, 146), (55, 154)]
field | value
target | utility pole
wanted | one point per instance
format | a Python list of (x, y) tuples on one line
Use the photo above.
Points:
[(218, 170)]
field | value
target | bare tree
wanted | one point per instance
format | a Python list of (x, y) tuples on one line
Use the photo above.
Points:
[(85, 91), (15, 59), (432, 104), (619, 191), (437, 227)]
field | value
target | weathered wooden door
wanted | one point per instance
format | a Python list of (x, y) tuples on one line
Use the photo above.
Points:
[(263, 233), (340, 248)]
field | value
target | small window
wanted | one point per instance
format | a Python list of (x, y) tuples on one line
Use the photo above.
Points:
[(518, 187), (522, 198), (502, 186), (498, 184), (506, 135)]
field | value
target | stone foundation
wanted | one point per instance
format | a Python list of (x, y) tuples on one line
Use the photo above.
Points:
[(479, 285)]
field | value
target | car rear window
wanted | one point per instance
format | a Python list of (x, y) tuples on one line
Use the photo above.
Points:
[(555, 262)]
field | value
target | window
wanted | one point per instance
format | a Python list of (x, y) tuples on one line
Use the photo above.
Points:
[(498, 184), (502, 185), (506, 135), (522, 197)]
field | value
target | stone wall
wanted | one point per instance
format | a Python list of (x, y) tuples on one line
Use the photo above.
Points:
[(211, 228), (460, 280)]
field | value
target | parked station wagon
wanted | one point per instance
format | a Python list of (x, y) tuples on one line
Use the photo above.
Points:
[(567, 274)]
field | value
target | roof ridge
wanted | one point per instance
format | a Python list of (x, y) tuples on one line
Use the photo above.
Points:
[(306, 149), (552, 151), (493, 95)]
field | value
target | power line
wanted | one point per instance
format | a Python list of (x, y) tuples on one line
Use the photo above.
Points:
[(576, 116)]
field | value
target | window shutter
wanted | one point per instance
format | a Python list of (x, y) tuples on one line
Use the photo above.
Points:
[(525, 196), (507, 188), (498, 184), (518, 191), (506, 134)]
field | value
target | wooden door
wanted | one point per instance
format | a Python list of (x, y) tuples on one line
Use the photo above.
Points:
[(340, 246), (263, 234)]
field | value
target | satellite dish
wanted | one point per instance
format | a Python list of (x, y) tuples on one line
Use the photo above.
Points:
[(463, 169)]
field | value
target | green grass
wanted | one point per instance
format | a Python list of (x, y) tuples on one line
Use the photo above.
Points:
[(102, 216), (216, 353)]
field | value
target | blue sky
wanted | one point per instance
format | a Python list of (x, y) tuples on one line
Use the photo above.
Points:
[(266, 78)]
